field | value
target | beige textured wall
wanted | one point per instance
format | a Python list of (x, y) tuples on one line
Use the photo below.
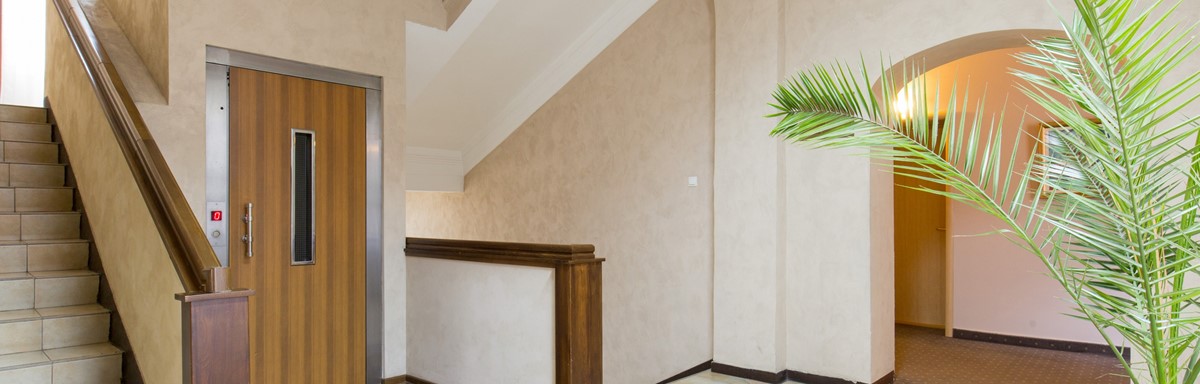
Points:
[(145, 24), (466, 310), (138, 269), (750, 242), (606, 162)]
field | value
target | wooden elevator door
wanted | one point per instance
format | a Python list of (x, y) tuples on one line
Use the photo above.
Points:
[(307, 320)]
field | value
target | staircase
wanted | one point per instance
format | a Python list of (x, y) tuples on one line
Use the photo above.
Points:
[(52, 330)]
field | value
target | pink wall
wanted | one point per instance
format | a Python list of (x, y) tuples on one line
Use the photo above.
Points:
[(997, 286)]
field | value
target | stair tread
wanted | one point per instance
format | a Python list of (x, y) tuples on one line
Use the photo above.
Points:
[(29, 163), (23, 360), (45, 241), (71, 212), (37, 187), (73, 310), (82, 352), (18, 315), (51, 313), (15, 276), (29, 141), (60, 274)]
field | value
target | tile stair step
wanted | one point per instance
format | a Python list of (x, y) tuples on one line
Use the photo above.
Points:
[(32, 175), (49, 328), (23, 226), (25, 131), (29, 152), (48, 289), (65, 288), (18, 258), (37, 199), (16, 113), (95, 363)]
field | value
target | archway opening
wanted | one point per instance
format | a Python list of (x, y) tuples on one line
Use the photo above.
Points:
[(955, 285)]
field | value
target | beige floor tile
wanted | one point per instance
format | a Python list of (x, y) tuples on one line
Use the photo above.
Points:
[(74, 331), (65, 291), (21, 336), (42, 199), (23, 359), (18, 294), (24, 131), (50, 226), (57, 257), (31, 375), (82, 352), (35, 175), (4, 175), (100, 370), (13, 259)]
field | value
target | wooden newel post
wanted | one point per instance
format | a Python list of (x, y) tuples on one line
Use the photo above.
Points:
[(216, 336)]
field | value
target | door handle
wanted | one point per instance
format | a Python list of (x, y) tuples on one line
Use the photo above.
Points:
[(248, 238)]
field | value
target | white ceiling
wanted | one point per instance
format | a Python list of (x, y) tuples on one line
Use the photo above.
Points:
[(471, 86)]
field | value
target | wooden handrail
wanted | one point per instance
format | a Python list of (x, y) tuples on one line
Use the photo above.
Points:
[(195, 262), (578, 352)]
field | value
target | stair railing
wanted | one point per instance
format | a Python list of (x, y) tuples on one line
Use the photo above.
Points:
[(190, 251), (214, 318)]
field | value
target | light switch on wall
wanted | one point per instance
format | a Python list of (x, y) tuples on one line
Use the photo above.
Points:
[(693, 181)]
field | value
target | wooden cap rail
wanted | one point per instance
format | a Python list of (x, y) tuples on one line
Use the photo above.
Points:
[(538, 255), (182, 235), (578, 351)]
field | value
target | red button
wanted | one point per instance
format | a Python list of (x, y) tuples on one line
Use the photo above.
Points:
[(216, 216)]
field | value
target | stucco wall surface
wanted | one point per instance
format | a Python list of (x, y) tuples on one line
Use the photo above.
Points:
[(606, 162)]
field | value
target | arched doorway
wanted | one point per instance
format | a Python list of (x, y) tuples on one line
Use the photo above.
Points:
[(953, 281)]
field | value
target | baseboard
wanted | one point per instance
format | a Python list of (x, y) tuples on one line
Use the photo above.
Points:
[(406, 379), (750, 374), (690, 371), (1033, 342), (809, 378)]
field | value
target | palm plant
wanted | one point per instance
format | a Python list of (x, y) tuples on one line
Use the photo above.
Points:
[(1119, 230)]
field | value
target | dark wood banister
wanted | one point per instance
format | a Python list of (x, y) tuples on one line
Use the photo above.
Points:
[(578, 351), (195, 262)]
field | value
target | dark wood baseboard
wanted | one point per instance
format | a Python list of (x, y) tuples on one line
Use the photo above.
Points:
[(809, 378), (1033, 342), (406, 379), (750, 374), (690, 371)]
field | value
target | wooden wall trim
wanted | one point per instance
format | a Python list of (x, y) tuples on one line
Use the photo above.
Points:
[(578, 321), (707, 365), (529, 254), (750, 374), (181, 233), (1033, 342), (818, 379), (406, 379)]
